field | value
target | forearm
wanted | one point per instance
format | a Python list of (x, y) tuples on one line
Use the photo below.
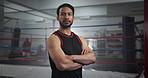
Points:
[(85, 58), (68, 64), (72, 66), (73, 62)]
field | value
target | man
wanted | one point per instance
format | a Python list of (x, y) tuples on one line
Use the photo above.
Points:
[(68, 53), (40, 50), (26, 46)]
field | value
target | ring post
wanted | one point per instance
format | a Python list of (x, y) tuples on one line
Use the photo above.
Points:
[(129, 44)]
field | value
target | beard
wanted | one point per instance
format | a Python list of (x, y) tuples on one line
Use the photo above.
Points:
[(64, 25)]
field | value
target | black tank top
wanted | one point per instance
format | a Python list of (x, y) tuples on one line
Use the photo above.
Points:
[(71, 45)]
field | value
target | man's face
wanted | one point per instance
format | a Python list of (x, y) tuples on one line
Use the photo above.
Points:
[(65, 17)]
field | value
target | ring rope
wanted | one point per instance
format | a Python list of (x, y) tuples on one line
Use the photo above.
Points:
[(21, 59), (110, 37), (37, 49), (19, 38), (85, 38), (115, 50), (47, 60), (44, 53), (138, 22), (113, 63), (22, 33)]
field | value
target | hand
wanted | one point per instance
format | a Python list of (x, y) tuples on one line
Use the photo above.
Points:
[(85, 52)]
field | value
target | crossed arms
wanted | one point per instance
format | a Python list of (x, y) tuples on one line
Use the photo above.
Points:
[(69, 62)]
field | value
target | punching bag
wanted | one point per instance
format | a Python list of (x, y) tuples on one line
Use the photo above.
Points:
[(15, 43)]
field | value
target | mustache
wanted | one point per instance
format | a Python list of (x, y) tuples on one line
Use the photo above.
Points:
[(65, 20)]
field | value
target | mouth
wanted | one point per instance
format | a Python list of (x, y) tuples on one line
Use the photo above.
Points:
[(66, 21)]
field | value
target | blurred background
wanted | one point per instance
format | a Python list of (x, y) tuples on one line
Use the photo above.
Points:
[(113, 29)]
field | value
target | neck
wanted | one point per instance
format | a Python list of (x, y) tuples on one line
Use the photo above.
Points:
[(65, 30)]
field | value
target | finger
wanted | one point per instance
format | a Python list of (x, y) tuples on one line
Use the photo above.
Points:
[(83, 52), (86, 51)]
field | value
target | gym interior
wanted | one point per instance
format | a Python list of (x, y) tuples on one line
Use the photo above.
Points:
[(115, 30)]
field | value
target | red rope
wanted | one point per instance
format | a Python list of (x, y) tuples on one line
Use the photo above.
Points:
[(109, 37), (113, 63), (18, 59), (19, 38), (85, 38), (46, 60)]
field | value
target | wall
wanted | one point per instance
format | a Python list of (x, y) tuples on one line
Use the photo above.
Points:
[(146, 37)]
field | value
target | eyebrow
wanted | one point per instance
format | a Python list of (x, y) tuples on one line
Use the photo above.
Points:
[(65, 12)]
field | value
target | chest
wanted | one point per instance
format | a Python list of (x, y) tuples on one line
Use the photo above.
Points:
[(71, 46)]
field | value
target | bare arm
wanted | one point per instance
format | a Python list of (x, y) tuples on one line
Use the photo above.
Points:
[(87, 56), (62, 61)]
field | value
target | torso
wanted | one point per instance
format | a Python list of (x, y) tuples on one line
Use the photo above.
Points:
[(71, 45)]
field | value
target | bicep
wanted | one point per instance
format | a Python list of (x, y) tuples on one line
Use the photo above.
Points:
[(54, 50), (84, 44)]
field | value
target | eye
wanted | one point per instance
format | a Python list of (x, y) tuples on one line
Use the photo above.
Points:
[(62, 14), (70, 14)]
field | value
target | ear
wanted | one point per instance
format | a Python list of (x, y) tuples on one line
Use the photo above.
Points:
[(73, 17), (58, 18)]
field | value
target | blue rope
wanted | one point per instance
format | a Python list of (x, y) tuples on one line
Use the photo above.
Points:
[(72, 27), (100, 25), (23, 33), (19, 48)]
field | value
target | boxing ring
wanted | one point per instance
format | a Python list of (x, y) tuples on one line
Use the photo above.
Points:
[(108, 47)]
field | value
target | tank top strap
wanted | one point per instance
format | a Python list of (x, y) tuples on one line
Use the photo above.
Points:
[(78, 38), (58, 35)]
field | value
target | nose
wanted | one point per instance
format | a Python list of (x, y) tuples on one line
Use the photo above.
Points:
[(66, 16)]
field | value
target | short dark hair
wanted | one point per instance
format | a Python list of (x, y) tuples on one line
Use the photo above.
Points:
[(65, 5)]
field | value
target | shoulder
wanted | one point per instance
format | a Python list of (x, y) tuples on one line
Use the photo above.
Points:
[(82, 38), (53, 36), (53, 39), (83, 41)]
